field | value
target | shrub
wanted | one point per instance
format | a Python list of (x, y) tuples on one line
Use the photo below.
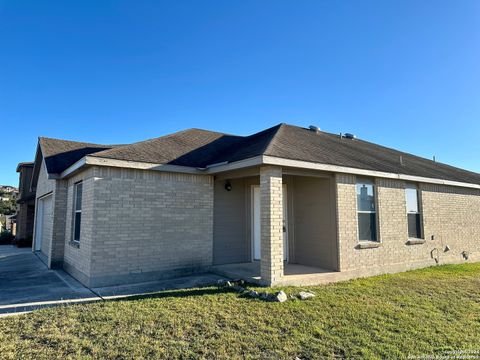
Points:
[(6, 237), (21, 243)]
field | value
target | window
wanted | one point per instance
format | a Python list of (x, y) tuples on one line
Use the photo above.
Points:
[(413, 212), (77, 210), (367, 215)]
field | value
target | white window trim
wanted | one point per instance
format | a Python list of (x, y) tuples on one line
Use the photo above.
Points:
[(419, 210), (75, 211), (369, 181)]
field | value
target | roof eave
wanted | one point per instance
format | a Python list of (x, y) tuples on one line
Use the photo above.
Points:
[(250, 162)]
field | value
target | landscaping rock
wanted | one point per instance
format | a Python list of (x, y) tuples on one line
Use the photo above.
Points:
[(264, 296), (238, 288), (221, 282), (304, 295), (253, 294), (280, 297), (228, 284)]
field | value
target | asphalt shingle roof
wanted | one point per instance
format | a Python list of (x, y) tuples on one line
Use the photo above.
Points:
[(60, 154), (199, 148)]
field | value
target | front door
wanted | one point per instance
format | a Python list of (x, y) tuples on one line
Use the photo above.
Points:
[(256, 223)]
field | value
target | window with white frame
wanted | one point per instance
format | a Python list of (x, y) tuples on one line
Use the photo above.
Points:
[(77, 210), (366, 210), (414, 217)]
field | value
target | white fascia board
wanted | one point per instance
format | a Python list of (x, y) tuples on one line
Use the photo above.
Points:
[(92, 160), (271, 160), (74, 167), (97, 161), (255, 161)]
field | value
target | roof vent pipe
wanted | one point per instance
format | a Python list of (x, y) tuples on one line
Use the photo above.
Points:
[(314, 128)]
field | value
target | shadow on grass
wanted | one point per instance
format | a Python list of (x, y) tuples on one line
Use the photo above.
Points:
[(191, 292), (180, 293)]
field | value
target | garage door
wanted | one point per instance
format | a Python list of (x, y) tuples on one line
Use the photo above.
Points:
[(44, 225)]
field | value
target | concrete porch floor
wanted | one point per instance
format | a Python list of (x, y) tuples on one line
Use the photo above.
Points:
[(294, 274)]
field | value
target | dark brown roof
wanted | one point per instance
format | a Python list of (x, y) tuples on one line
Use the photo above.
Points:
[(292, 142), (199, 148), (23, 165), (60, 154), (193, 147)]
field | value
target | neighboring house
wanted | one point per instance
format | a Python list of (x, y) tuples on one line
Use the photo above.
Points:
[(25, 202), (287, 205), (11, 223), (9, 189)]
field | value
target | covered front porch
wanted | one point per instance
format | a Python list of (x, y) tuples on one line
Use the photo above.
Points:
[(275, 226)]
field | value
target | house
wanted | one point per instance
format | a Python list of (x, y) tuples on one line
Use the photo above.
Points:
[(287, 205), (25, 202), (11, 223)]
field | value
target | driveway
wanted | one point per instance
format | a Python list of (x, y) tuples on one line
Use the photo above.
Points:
[(27, 284)]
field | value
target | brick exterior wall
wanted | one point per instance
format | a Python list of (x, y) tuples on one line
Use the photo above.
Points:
[(271, 224), (449, 214), (58, 227), (77, 257), (26, 204), (141, 225), (452, 217), (25, 217)]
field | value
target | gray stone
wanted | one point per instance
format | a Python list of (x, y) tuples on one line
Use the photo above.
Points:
[(280, 297), (253, 294), (304, 295), (264, 296), (238, 288), (228, 284)]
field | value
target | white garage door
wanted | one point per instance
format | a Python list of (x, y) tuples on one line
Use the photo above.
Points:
[(44, 224)]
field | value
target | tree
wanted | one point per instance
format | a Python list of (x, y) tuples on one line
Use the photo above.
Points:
[(8, 207)]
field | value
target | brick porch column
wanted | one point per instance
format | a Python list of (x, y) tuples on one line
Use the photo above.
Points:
[(271, 224)]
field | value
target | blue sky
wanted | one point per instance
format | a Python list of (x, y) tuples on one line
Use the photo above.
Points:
[(400, 73)]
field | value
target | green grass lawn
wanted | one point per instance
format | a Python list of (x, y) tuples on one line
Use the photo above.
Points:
[(421, 312)]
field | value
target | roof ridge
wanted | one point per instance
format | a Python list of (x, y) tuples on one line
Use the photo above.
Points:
[(46, 138), (275, 128), (103, 152)]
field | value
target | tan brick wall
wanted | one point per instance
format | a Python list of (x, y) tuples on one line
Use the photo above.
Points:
[(59, 216), (271, 224), (448, 213), (53, 244), (347, 233), (451, 215), (149, 224), (77, 258)]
